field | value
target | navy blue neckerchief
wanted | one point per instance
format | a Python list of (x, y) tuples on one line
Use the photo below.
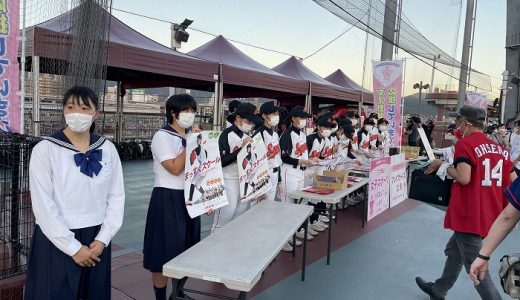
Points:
[(88, 162), (170, 130)]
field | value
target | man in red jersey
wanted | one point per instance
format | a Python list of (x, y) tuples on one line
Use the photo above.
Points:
[(481, 170)]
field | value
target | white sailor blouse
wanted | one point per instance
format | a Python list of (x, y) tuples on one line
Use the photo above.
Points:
[(73, 190)]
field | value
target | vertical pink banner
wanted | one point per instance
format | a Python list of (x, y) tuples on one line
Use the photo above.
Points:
[(9, 70), (378, 186), (388, 83)]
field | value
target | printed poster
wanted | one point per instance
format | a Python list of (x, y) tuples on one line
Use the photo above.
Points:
[(379, 187), (9, 69), (204, 185), (398, 180), (253, 169), (388, 83)]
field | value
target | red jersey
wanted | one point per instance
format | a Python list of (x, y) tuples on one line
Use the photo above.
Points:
[(474, 207)]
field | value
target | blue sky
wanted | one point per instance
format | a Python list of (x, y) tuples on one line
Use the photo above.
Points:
[(300, 27)]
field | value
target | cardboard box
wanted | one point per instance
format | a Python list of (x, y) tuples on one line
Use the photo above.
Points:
[(332, 180), (410, 152)]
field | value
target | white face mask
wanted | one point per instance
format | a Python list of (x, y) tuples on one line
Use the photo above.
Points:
[(186, 119), (246, 128), (302, 123), (382, 128), (369, 128), (79, 122), (343, 138), (335, 128), (326, 133), (354, 122), (273, 120)]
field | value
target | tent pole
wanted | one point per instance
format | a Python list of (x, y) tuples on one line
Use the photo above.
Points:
[(22, 73), (119, 108), (217, 104), (36, 95)]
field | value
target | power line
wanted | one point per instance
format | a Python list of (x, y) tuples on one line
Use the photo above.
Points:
[(334, 39), (204, 32)]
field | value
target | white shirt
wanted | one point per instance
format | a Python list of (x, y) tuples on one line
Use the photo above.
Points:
[(514, 143), (63, 198), (166, 144)]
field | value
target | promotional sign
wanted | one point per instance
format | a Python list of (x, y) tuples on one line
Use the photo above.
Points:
[(388, 82), (253, 169), (204, 182), (477, 99), (9, 69), (426, 143), (398, 180), (379, 187)]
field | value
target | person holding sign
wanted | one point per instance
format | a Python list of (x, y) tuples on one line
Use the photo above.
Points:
[(295, 156), (481, 170), (169, 230), (271, 116), (230, 143)]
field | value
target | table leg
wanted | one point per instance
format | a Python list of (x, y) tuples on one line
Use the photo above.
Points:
[(242, 296), (305, 225), (175, 289), (330, 237), (336, 214), (365, 207), (294, 245)]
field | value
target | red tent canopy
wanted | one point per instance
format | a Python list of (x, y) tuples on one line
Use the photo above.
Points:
[(341, 79), (132, 57), (319, 87), (240, 70)]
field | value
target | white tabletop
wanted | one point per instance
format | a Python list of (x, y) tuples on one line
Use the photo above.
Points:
[(333, 198), (238, 253)]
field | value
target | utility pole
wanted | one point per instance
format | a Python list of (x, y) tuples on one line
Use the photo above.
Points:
[(433, 70), (389, 30), (468, 29)]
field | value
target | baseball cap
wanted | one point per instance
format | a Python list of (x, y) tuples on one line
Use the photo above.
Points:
[(299, 111), (232, 106), (324, 121), (269, 108), (247, 111), (471, 113)]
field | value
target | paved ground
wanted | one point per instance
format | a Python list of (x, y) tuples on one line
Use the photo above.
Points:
[(377, 262)]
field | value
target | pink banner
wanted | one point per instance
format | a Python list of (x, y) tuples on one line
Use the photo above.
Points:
[(388, 82), (378, 187), (9, 70)]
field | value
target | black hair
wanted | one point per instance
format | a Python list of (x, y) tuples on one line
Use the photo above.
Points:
[(82, 94), (199, 137), (381, 121), (368, 121), (517, 123), (349, 131), (177, 103)]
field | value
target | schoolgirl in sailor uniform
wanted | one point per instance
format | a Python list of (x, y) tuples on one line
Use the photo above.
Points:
[(169, 229), (365, 135), (230, 143), (78, 197)]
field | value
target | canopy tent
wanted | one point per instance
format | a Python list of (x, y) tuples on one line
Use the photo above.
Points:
[(319, 87), (133, 58), (338, 77), (243, 76)]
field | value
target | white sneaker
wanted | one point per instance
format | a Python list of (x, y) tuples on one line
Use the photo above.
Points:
[(311, 231), (317, 227), (325, 226), (300, 235), (323, 219), (287, 248), (297, 242)]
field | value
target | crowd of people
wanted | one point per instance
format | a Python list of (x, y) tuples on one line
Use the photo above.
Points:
[(77, 190)]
